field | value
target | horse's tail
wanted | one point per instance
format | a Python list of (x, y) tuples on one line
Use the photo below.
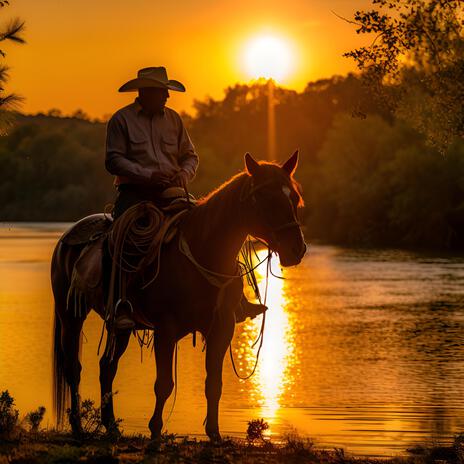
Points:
[(60, 387), (66, 333)]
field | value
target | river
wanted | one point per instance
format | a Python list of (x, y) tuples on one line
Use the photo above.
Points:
[(363, 349)]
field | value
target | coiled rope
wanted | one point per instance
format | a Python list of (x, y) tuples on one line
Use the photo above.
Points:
[(134, 245)]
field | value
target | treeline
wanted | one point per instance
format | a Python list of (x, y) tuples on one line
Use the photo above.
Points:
[(368, 179)]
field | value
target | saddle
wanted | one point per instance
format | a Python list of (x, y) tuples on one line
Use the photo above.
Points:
[(91, 234)]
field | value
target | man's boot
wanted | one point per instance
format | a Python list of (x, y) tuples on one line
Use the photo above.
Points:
[(123, 320), (248, 309)]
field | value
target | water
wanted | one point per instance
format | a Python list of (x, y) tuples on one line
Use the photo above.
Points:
[(362, 350)]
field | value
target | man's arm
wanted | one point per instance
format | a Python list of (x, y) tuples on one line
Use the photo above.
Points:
[(188, 159), (116, 161)]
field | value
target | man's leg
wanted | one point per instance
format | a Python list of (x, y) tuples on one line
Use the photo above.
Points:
[(128, 196), (248, 309)]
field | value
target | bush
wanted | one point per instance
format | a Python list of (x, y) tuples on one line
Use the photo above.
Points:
[(255, 430), (8, 415), (34, 419), (92, 425)]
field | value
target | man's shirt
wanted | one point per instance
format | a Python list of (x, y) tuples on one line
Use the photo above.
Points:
[(138, 145)]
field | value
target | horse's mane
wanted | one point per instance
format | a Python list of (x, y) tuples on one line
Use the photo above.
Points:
[(224, 186), (221, 188), (209, 213)]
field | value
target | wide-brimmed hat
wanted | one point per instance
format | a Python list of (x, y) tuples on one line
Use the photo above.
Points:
[(152, 77)]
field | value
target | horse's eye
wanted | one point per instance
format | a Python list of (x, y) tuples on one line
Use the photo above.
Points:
[(286, 191)]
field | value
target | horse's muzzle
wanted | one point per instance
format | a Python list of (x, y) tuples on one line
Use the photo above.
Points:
[(294, 256)]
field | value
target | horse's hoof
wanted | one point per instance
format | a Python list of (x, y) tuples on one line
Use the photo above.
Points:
[(113, 433), (78, 434), (215, 438), (153, 445)]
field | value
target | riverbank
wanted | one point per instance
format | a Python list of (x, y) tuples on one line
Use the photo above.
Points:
[(52, 447), (22, 440)]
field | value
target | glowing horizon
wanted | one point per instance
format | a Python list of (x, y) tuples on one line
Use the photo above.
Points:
[(78, 55)]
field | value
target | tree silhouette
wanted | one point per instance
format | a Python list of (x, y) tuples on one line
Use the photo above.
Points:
[(416, 62), (10, 32)]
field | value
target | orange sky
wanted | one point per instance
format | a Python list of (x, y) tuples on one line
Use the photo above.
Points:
[(80, 51)]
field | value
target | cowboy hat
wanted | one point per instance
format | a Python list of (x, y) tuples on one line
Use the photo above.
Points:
[(152, 77)]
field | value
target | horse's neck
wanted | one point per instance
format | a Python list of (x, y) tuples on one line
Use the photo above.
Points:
[(217, 228)]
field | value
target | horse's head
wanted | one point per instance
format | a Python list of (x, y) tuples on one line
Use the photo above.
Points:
[(273, 198)]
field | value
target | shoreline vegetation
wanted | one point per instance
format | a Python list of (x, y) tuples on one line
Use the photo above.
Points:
[(369, 179), (55, 448), (23, 441)]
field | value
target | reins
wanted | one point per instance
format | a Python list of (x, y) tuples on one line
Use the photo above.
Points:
[(254, 285), (222, 281)]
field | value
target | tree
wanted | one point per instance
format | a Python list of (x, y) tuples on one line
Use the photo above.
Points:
[(11, 32), (416, 63)]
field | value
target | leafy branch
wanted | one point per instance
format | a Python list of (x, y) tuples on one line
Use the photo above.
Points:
[(416, 56), (11, 32)]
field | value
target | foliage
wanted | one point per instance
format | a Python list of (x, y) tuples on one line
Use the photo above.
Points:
[(368, 179), (53, 166), (418, 48), (379, 184), (256, 429), (301, 449), (92, 425), (53, 170), (11, 32), (34, 419), (8, 415)]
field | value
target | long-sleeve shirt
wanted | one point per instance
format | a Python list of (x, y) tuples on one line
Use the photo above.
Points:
[(137, 145)]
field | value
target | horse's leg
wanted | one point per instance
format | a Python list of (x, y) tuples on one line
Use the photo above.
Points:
[(164, 350), (216, 346), (108, 368), (70, 344)]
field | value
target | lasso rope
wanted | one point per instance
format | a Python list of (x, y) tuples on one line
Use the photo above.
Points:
[(134, 244)]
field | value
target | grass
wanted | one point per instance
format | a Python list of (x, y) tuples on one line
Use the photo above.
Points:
[(51, 447), (60, 448)]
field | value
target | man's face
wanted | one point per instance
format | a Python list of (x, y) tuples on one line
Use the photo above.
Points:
[(153, 99)]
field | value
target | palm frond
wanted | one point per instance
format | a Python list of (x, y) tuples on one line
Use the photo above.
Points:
[(10, 102), (13, 31), (4, 74), (9, 105)]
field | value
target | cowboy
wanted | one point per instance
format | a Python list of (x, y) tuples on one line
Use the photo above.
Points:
[(148, 149)]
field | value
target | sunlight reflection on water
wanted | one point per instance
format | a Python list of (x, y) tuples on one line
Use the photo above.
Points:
[(275, 372)]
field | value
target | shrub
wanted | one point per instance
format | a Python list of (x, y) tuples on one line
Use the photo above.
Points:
[(34, 419), (8, 415), (255, 430), (91, 422)]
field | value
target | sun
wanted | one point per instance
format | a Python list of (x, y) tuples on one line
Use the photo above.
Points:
[(268, 56)]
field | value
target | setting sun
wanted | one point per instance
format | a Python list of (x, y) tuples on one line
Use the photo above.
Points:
[(268, 56)]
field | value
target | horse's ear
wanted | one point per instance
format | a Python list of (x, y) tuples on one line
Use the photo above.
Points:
[(290, 165), (252, 166)]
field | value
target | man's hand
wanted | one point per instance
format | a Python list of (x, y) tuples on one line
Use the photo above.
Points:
[(158, 179), (180, 179)]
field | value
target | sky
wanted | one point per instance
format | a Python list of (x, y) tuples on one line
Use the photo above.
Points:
[(79, 52)]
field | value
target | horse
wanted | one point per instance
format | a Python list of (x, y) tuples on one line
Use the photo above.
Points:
[(261, 201)]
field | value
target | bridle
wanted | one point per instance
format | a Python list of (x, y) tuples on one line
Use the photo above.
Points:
[(274, 241)]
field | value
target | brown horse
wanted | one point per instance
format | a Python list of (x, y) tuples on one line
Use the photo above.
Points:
[(262, 201)]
